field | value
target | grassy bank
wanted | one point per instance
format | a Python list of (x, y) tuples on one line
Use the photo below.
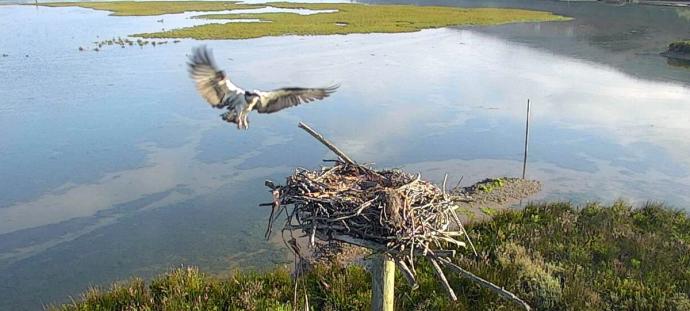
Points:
[(554, 256), (678, 53), (348, 18), (682, 47)]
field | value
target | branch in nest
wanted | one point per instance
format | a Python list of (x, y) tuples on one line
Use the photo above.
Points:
[(442, 277), (407, 273), (327, 143), (486, 284)]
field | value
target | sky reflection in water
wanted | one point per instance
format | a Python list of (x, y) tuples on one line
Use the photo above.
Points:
[(112, 165)]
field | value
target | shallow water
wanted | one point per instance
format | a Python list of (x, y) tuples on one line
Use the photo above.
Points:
[(112, 165)]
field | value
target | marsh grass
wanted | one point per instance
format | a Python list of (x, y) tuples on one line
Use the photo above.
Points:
[(555, 256), (348, 18), (147, 8), (351, 18)]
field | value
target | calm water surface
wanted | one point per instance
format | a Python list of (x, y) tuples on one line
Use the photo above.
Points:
[(111, 165)]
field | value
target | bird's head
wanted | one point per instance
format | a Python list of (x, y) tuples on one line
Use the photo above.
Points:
[(250, 96), (220, 75)]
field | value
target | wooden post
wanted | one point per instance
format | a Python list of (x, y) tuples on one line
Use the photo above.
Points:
[(382, 283), (524, 160)]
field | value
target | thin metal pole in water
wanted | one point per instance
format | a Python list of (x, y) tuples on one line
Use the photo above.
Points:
[(524, 160)]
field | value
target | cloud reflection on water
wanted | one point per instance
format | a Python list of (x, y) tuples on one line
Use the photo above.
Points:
[(402, 93), (93, 165), (165, 169)]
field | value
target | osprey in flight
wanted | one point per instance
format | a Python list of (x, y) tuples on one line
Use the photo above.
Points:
[(217, 89)]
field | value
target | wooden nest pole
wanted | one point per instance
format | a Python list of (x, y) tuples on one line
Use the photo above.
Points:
[(382, 283)]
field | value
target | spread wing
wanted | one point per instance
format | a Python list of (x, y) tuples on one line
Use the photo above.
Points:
[(291, 96), (210, 82)]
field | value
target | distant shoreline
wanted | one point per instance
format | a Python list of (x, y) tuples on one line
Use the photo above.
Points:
[(333, 18), (666, 3)]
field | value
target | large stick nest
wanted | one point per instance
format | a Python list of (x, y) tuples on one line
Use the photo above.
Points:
[(388, 211)]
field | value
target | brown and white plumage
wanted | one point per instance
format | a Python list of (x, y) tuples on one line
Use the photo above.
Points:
[(217, 89)]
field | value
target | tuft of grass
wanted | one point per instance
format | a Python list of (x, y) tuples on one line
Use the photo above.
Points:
[(555, 256), (489, 211), (348, 18)]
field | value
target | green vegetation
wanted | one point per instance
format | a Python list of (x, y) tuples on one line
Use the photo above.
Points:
[(489, 184), (489, 211), (680, 47), (553, 255), (145, 8), (349, 18)]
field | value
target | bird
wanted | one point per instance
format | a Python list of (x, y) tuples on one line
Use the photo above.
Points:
[(217, 89)]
